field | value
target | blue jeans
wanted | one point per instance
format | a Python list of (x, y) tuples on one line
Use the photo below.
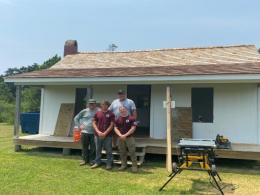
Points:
[(105, 143)]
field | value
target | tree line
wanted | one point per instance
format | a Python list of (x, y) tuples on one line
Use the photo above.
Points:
[(31, 96)]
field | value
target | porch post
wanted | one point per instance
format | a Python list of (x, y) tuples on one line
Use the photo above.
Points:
[(17, 115), (258, 113), (90, 92), (169, 129)]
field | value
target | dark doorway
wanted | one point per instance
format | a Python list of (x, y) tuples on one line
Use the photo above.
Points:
[(141, 95), (80, 101)]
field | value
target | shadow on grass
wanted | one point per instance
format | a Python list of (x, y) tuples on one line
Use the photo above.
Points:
[(141, 170), (244, 167), (50, 152), (200, 187), (210, 187), (76, 154)]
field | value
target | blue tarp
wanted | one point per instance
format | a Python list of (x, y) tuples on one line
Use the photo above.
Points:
[(30, 122)]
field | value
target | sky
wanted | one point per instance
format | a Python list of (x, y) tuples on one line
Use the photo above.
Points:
[(31, 31)]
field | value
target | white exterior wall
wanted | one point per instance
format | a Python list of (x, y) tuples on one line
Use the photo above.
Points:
[(52, 98), (235, 114), (106, 92), (258, 112), (158, 113), (235, 111)]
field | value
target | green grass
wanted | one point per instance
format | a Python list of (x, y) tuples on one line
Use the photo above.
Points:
[(35, 171)]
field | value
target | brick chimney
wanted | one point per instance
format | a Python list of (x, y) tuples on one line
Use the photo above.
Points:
[(70, 47)]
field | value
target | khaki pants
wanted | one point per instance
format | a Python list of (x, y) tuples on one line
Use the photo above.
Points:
[(124, 145)]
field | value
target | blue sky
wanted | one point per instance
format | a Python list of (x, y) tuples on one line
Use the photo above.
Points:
[(33, 30)]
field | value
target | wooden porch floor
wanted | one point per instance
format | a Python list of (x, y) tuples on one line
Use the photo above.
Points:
[(153, 146)]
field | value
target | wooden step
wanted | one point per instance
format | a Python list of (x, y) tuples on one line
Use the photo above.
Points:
[(140, 155), (118, 162), (115, 152), (128, 162)]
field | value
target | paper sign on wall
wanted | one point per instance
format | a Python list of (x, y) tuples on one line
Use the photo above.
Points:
[(172, 104)]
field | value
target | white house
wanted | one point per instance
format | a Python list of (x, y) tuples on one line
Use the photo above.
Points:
[(217, 85)]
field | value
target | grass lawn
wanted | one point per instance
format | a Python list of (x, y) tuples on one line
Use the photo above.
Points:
[(34, 171)]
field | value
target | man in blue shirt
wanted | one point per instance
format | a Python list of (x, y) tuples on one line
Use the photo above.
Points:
[(84, 121), (122, 101)]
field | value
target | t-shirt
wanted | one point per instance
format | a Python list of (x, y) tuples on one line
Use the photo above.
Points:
[(85, 118), (103, 120), (116, 104), (124, 124)]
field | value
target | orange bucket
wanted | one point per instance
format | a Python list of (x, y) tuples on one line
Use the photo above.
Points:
[(76, 134)]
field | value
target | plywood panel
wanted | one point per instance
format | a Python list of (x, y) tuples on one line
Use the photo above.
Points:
[(182, 123), (64, 120)]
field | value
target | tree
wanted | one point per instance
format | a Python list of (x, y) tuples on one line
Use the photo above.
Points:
[(31, 99), (31, 96), (50, 62), (47, 64), (23, 69), (5, 92)]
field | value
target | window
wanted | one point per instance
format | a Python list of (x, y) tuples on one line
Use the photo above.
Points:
[(202, 105)]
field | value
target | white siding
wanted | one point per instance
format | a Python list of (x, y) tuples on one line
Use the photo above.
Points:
[(235, 114), (181, 95), (235, 111), (158, 113), (106, 92), (258, 112), (236, 108), (53, 97)]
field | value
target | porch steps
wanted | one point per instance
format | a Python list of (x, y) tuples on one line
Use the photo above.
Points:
[(140, 154)]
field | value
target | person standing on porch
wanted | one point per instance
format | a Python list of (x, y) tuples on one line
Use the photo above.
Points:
[(125, 127), (129, 104), (103, 124), (122, 100), (84, 121)]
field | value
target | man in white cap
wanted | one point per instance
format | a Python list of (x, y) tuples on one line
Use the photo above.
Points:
[(84, 121)]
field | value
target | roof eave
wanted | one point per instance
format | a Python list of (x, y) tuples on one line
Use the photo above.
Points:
[(223, 78)]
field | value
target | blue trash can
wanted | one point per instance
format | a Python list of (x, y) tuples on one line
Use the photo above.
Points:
[(30, 122)]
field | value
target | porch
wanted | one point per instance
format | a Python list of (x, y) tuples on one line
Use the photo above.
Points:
[(151, 145)]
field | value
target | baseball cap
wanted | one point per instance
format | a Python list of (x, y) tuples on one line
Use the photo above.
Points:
[(92, 101), (121, 91)]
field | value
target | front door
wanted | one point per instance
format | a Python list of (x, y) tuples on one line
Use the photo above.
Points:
[(80, 100), (141, 95)]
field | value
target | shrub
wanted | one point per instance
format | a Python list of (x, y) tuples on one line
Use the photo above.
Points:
[(6, 112)]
